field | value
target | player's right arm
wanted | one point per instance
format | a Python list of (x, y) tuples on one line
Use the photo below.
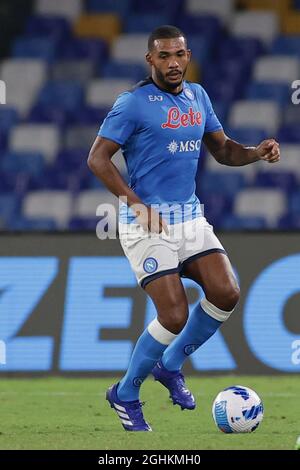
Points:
[(99, 162)]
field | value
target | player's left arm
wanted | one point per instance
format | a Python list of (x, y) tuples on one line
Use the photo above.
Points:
[(228, 152)]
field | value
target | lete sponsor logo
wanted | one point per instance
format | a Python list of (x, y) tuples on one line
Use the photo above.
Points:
[(176, 119)]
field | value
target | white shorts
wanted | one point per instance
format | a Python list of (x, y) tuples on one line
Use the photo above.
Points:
[(155, 255)]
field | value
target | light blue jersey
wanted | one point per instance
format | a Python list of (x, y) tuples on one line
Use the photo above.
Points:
[(160, 134)]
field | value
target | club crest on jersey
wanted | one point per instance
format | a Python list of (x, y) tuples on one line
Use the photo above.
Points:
[(189, 94), (176, 119)]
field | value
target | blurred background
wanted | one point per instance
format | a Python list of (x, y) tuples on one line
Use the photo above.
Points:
[(65, 61)]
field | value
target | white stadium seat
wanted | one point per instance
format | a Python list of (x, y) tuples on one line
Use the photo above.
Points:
[(268, 203), (24, 79), (279, 69), (87, 202), (103, 92), (223, 9), (263, 114), (80, 137), (70, 9), (50, 204), (42, 138), (262, 25), (130, 48), (290, 160), (248, 171), (81, 70), (119, 161)]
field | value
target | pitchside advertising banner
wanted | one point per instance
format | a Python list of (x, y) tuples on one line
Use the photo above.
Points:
[(70, 304)]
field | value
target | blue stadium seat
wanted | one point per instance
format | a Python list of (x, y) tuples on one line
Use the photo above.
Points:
[(37, 47), (26, 163), (120, 69), (278, 92), (144, 22), (83, 223), (246, 135), (8, 118), (206, 25), (41, 114), (201, 47), (297, 4), (55, 27), (9, 206), (23, 223), (93, 49), (165, 7), (90, 115), (234, 222), (221, 90), (289, 222), (227, 184), (61, 94), (289, 134), (108, 6), (272, 179), (215, 206), (241, 49), (294, 202), (286, 45)]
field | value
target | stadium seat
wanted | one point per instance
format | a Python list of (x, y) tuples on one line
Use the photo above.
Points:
[(48, 204), (54, 27), (248, 171), (123, 70), (223, 9), (80, 137), (280, 6), (268, 178), (9, 208), (247, 135), (38, 47), (130, 48), (291, 115), (26, 163), (214, 206), (289, 222), (86, 205), (61, 94), (234, 222), (108, 6), (263, 25), (69, 9), (267, 203), (40, 224), (291, 23), (103, 92), (143, 22), (279, 69), (289, 134), (83, 223), (44, 139), (262, 114), (277, 92), (165, 7), (95, 50), (207, 26), (8, 118), (286, 45), (106, 26), (227, 184), (294, 202), (90, 115), (290, 160), (25, 78), (78, 70), (240, 49)]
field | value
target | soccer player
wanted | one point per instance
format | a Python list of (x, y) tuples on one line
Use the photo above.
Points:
[(159, 125)]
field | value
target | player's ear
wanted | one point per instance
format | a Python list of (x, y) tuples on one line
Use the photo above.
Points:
[(189, 54), (149, 58)]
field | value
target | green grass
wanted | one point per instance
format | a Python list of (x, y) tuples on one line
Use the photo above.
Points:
[(60, 413)]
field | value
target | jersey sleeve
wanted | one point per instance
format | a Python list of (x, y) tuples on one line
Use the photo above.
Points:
[(212, 123), (121, 120)]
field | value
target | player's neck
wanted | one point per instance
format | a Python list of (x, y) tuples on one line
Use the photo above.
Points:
[(164, 87)]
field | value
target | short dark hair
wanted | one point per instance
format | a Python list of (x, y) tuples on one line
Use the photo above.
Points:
[(165, 32)]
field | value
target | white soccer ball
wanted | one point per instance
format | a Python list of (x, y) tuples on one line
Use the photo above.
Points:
[(237, 409)]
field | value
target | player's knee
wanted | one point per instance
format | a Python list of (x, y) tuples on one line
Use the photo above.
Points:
[(227, 297), (174, 318)]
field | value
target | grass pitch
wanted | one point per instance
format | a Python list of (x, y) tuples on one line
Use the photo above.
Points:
[(68, 413)]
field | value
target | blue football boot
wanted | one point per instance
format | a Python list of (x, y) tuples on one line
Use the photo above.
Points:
[(174, 382), (129, 412)]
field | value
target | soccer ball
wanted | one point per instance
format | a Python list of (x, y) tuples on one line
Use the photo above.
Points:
[(237, 409)]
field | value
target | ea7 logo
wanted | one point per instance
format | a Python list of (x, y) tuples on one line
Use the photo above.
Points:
[(155, 97)]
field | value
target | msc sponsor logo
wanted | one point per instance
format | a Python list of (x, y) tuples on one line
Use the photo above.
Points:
[(176, 118), (184, 146)]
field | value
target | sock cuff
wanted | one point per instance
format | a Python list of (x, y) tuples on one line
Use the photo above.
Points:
[(160, 333), (215, 312)]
